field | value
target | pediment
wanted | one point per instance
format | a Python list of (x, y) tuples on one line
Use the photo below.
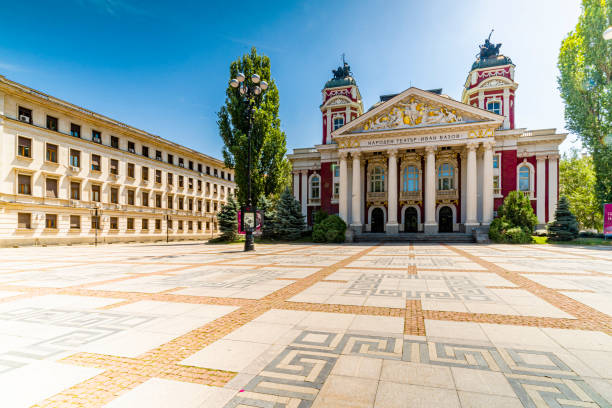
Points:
[(415, 108)]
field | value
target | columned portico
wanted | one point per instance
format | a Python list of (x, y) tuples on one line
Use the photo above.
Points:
[(392, 225), (431, 226), (356, 193)]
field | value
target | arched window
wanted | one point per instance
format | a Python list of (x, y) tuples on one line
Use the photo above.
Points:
[(524, 178), (314, 187), (446, 177), (410, 179), (377, 181), (494, 106)]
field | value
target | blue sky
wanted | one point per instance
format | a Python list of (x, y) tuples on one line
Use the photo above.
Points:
[(163, 66)]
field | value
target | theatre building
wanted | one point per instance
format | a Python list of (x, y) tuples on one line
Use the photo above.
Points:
[(422, 162)]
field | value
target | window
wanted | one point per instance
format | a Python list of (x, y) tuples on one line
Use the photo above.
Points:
[(208, 170), (180, 203), (170, 158), (51, 221), (145, 151), (114, 166), (181, 181), (496, 187), (75, 222), (75, 190), (181, 163), (208, 206), (446, 179), (114, 223), (524, 178), (130, 197), (158, 155), (190, 204), (131, 170), (496, 161), (115, 142), (199, 225), (75, 158), (95, 193), (169, 224), (170, 201), (158, 176), (199, 205), (207, 187), (51, 188), (24, 220), (229, 176), (131, 147), (336, 190), (170, 179), (216, 174), (336, 170), (130, 224), (494, 106), (180, 225), (114, 195), (145, 173), (214, 206), (95, 222), (222, 174), (24, 182), (200, 167), (158, 200), (377, 181), (410, 178), (145, 224), (24, 147), (199, 185), (190, 225), (75, 130), (51, 123), (338, 122), (207, 224), (157, 224), (51, 155), (25, 115), (190, 183), (190, 165), (95, 162), (96, 136), (145, 199), (314, 187)]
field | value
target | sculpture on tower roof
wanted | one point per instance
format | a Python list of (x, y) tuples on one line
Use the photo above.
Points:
[(488, 49), (343, 71)]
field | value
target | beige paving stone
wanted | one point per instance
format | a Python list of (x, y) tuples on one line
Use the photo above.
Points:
[(476, 400), (358, 366), (480, 381), (396, 395), (418, 374), (346, 392), (450, 330), (378, 324), (228, 355)]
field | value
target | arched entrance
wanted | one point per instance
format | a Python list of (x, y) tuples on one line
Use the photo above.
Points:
[(378, 220), (445, 219), (411, 220)]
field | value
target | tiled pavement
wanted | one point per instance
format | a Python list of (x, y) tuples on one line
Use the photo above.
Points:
[(394, 325)]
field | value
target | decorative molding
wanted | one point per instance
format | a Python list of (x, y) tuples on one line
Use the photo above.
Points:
[(480, 133)]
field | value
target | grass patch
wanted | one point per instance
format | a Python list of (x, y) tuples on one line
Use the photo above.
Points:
[(577, 241)]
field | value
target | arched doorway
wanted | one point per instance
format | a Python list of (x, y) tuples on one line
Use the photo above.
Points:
[(411, 220), (445, 219), (378, 220)]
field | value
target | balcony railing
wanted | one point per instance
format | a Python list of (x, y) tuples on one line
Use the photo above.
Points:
[(377, 196), (447, 195), (410, 195)]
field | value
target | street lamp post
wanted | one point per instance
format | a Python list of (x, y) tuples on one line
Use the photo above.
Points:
[(167, 229), (96, 212), (250, 91)]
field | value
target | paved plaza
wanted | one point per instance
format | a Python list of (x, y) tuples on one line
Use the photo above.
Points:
[(296, 326)]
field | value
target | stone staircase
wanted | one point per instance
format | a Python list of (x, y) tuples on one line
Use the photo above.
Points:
[(451, 237)]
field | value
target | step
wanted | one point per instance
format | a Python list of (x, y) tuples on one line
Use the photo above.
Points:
[(455, 237)]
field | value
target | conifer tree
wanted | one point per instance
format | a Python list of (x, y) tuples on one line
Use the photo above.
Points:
[(565, 226), (228, 220), (288, 219), (268, 229)]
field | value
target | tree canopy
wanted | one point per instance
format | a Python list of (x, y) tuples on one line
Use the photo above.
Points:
[(585, 64), (269, 167), (577, 183)]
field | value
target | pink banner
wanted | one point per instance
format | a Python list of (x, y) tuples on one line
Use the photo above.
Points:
[(607, 225)]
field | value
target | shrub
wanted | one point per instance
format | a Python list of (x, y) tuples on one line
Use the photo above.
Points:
[(565, 226), (515, 220), (330, 229), (228, 220)]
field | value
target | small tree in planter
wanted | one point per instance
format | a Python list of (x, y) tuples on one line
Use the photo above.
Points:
[(228, 220), (288, 218), (565, 226), (515, 220)]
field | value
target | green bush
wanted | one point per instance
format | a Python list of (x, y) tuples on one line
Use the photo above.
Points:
[(565, 226), (515, 220), (330, 229)]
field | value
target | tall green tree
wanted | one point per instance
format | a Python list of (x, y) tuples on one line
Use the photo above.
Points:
[(577, 183), (269, 168), (585, 64), (565, 226)]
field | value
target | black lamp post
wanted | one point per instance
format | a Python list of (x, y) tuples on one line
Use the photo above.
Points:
[(96, 212), (250, 90), (167, 229)]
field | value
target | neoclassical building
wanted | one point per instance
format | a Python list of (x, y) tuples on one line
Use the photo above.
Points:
[(68, 174), (420, 161)]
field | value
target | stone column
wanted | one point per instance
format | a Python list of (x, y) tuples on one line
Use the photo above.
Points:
[(487, 183), (392, 225), (356, 193), (471, 189), (343, 193), (329, 126), (481, 100), (506, 102), (430, 227), (541, 189), (304, 192), (296, 185), (552, 186)]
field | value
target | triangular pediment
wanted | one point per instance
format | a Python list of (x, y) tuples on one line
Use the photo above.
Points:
[(415, 108)]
